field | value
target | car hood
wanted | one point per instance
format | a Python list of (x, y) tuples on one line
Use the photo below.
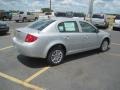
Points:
[(104, 33)]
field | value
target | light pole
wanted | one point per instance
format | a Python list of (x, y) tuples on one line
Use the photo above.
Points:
[(90, 12), (50, 6)]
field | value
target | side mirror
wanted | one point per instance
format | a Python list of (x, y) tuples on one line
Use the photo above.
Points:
[(97, 30)]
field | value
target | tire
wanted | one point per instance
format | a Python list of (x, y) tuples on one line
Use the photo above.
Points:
[(36, 18), (55, 56), (17, 21), (10, 19), (107, 25), (4, 18), (104, 46)]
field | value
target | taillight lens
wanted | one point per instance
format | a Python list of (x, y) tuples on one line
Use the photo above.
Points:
[(30, 38)]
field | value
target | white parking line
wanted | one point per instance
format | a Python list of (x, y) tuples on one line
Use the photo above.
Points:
[(116, 44), (114, 54), (6, 48)]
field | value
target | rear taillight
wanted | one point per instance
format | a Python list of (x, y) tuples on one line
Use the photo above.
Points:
[(30, 38)]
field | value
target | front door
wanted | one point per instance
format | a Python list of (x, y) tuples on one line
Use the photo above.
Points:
[(90, 36)]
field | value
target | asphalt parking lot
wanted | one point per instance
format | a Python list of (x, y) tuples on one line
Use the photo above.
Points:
[(90, 70)]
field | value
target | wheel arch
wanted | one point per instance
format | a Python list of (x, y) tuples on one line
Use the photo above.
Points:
[(106, 38), (55, 45)]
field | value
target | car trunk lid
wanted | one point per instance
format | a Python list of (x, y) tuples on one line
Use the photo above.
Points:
[(21, 33)]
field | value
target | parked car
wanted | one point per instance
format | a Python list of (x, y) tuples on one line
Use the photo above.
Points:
[(25, 16), (62, 14), (57, 15), (5, 15), (79, 16), (100, 20), (53, 39), (47, 15), (3, 27), (116, 25)]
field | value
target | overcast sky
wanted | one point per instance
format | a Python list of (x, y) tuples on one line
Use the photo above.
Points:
[(100, 6)]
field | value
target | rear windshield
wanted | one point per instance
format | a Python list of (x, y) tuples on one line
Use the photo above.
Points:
[(98, 16), (117, 17), (41, 24)]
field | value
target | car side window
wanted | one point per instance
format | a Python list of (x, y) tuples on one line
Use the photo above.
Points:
[(87, 28), (68, 26)]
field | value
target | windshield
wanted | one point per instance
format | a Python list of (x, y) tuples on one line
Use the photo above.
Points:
[(98, 16), (41, 24), (117, 17)]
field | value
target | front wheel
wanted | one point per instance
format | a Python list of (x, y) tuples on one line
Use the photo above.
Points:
[(55, 56), (36, 18), (104, 46)]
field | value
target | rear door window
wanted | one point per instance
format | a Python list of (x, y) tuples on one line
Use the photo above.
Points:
[(68, 26)]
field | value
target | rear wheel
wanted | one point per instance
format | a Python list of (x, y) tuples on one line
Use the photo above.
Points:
[(105, 45), (55, 55), (24, 19), (17, 20)]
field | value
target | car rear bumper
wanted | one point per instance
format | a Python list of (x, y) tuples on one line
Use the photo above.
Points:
[(4, 29), (29, 50)]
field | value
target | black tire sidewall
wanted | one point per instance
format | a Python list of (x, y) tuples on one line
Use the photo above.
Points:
[(24, 19), (101, 47), (50, 53)]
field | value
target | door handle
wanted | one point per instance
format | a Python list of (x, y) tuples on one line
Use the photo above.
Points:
[(86, 37), (67, 37)]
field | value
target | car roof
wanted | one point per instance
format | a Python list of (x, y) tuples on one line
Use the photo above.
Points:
[(66, 19)]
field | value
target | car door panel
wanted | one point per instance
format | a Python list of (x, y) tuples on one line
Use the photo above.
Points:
[(90, 41), (90, 35), (73, 41), (70, 33)]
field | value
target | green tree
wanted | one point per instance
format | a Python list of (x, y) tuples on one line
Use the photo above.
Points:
[(46, 10)]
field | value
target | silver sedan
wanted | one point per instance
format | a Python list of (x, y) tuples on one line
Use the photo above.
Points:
[(53, 39)]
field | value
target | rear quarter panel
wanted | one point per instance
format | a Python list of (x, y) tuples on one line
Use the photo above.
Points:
[(46, 41)]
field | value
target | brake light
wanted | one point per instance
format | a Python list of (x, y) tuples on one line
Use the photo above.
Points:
[(30, 38)]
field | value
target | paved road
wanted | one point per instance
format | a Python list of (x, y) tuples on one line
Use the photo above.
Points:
[(83, 71)]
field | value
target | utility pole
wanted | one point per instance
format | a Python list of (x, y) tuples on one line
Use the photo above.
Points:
[(90, 12), (50, 6)]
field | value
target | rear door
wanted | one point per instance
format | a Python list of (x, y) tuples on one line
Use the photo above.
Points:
[(70, 35), (90, 36)]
